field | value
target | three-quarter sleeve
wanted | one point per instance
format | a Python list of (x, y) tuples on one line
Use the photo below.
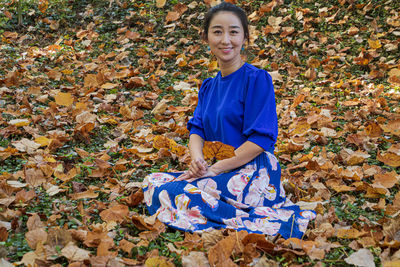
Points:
[(260, 122), (195, 124)]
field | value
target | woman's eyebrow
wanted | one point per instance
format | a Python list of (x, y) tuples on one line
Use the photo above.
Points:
[(219, 26)]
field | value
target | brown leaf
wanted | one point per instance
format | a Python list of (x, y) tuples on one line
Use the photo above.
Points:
[(210, 238), (116, 213), (34, 222), (135, 198), (74, 253), (191, 242), (389, 158), (58, 237), (34, 177), (36, 236), (260, 241), (87, 194), (195, 258), (160, 3), (217, 150), (388, 179), (220, 253), (126, 246), (172, 16), (3, 234), (24, 196)]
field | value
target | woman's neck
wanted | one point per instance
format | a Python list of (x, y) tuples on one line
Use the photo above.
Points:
[(230, 67)]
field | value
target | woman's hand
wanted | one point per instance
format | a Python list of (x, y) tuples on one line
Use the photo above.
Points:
[(198, 167), (189, 177)]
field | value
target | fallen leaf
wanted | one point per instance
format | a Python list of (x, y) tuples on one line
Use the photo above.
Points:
[(74, 253), (217, 150), (195, 258), (64, 99), (117, 213), (362, 258)]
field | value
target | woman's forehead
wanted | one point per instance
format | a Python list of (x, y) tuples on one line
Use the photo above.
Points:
[(225, 18)]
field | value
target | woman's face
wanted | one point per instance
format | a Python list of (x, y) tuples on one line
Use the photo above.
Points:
[(226, 37)]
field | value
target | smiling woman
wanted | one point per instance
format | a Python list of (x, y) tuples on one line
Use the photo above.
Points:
[(237, 107)]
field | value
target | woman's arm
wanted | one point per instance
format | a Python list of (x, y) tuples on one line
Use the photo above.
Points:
[(198, 165), (243, 154)]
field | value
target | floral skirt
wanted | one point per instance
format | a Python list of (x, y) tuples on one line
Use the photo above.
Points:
[(248, 198)]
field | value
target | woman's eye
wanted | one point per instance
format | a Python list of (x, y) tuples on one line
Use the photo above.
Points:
[(234, 32), (217, 32)]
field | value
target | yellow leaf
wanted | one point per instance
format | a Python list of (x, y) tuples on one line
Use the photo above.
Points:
[(374, 44), (67, 72), (157, 261), (19, 122), (42, 140), (64, 99), (50, 159)]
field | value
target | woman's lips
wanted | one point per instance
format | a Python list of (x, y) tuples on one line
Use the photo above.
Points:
[(226, 50)]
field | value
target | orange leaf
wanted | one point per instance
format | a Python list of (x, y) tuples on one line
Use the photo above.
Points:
[(349, 233), (217, 150)]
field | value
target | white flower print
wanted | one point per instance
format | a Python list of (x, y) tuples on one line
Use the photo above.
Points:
[(239, 181), (210, 200), (209, 186), (260, 189), (308, 214), (152, 181), (274, 214), (182, 216), (264, 226), (234, 223), (273, 160)]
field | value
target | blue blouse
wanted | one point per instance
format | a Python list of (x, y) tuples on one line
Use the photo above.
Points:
[(237, 108)]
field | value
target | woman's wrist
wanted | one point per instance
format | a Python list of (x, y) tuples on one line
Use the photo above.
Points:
[(216, 169)]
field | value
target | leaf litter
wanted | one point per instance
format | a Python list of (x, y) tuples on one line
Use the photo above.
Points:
[(93, 107)]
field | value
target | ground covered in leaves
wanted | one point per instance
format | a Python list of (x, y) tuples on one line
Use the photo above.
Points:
[(96, 94)]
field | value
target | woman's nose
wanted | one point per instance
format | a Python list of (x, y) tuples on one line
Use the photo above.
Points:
[(225, 38)]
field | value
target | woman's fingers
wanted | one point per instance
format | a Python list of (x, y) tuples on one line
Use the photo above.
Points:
[(183, 176)]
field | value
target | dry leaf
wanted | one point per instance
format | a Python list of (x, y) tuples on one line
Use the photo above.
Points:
[(362, 258), (64, 99), (117, 213), (160, 3), (217, 150), (74, 253), (195, 258)]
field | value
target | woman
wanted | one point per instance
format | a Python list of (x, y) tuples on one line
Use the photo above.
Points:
[(237, 107)]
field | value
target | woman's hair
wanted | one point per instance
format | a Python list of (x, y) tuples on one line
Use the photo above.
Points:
[(228, 7)]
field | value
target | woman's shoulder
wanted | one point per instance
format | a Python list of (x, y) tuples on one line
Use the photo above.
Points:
[(253, 72)]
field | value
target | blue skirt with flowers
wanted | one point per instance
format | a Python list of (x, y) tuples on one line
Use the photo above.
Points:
[(248, 198)]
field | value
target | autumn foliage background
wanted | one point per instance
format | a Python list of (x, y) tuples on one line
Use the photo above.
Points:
[(96, 94)]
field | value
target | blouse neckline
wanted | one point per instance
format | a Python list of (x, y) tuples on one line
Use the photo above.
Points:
[(233, 73)]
